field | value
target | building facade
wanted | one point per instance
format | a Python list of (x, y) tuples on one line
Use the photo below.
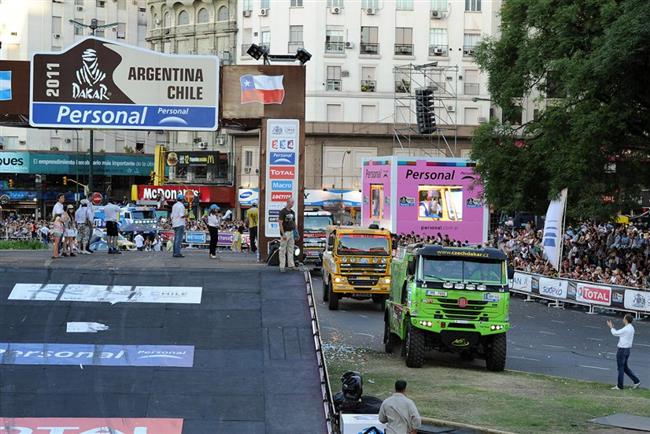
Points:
[(27, 27)]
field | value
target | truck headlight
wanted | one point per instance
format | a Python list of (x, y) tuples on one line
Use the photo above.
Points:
[(387, 280), (337, 280)]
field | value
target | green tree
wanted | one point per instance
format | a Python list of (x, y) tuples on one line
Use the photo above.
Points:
[(592, 57)]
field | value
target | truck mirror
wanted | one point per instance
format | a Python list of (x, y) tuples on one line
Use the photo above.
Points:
[(511, 272), (411, 267)]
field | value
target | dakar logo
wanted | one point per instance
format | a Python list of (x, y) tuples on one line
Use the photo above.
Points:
[(89, 78)]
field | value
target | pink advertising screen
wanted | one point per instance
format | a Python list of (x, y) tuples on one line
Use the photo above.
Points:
[(376, 203), (440, 196)]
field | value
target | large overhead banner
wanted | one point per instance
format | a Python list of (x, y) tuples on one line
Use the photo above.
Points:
[(104, 84)]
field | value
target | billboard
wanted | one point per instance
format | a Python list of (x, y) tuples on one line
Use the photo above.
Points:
[(206, 193), (14, 92), (59, 163), (377, 193), (283, 143), (104, 84)]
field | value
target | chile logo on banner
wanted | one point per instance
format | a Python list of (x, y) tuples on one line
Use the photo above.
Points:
[(265, 89)]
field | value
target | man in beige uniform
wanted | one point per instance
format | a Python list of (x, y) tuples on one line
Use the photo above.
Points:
[(399, 413)]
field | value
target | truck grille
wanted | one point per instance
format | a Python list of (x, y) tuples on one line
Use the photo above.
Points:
[(363, 281), (452, 311), (353, 269)]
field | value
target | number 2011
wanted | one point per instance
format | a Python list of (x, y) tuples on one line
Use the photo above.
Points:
[(52, 82)]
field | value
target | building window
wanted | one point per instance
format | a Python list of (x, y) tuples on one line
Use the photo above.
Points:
[(295, 38), (439, 5), (334, 112), (335, 4), (514, 115), (296, 3), (183, 18), (203, 16), (100, 32), (248, 5), (404, 5), (78, 30), (368, 82), (121, 31), (265, 4), (333, 78), (403, 41), (473, 5), (155, 20), (471, 82), (438, 45), (121, 4), (334, 40), (370, 4), (100, 3), (470, 41), (248, 159), (265, 39), (369, 40), (167, 19), (223, 14)]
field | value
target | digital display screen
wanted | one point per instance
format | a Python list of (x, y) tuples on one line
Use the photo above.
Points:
[(440, 203)]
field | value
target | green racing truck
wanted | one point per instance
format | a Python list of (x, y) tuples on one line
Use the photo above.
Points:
[(448, 299)]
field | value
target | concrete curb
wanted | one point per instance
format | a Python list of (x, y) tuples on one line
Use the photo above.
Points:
[(481, 429)]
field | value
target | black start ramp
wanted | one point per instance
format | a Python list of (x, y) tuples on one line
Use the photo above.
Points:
[(234, 356)]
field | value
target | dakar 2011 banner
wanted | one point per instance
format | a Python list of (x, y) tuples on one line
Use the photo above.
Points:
[(104, 84)]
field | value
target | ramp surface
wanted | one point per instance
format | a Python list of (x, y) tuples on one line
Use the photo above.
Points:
[(627, 421), (254, 368)]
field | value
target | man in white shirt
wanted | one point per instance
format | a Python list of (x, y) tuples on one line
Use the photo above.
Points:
[(399, 413), (139, 242), (625, 340), (84, 219), (58, 206), (178, 224), (111, 212)]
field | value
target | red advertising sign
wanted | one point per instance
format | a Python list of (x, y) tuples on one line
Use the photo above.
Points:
[(594, 294), (282, 172), (281, 196), (56, 425), (211, 194)]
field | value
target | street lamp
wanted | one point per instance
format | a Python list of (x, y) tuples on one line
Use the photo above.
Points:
[(257, 51)]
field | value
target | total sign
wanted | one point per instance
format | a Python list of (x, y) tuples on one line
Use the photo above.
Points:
[(53, 425), (99, 83), (594, 294), (282, 141)]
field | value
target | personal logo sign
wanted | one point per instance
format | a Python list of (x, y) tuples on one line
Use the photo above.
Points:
[(57, 425), (180, 356), (105, 84)]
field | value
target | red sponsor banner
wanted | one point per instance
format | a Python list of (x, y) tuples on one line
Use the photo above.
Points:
[(58, 425), (594, 294), (282, 172), (280, 196), (212, 194)]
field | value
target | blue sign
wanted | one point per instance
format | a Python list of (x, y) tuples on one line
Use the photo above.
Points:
[(283, 158), (196, 237), (5, 85), (181, 356), (105, 84), (282, 185), (46, 163)]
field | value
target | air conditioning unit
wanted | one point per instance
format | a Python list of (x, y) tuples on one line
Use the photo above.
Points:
[(220, 141), (246, 13), (451, 108), (247, 170), (469, 52), (335, 10), (371, 11), (68, 141), (345, 73), (56, 36), (203, 145), (264, 12), (349, 45), (438, 51), (80, 8), (436, 14), (482, 119)]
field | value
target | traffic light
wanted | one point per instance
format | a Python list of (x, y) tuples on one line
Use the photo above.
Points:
[(152, 178), (11, 183), (424, 108), (65, 180)]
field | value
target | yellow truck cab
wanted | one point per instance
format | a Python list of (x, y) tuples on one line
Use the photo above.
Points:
[(356, 264)]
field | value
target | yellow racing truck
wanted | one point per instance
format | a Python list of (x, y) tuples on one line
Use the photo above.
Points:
[(356, 264)]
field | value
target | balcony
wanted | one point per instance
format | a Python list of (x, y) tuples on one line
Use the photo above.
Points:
[(335, 47), (438, 50), (295, 46), (403, 49), (468, 50), (403, 86), (368, 85), (368, 48), (472, 88), (333, 84)]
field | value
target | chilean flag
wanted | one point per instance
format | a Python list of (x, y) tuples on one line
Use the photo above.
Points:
[(5, 86), (265, 89)]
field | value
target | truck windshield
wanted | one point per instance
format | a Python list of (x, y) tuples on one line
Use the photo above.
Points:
[(363, 245), (143, 215), (317, 222), (474, 271)]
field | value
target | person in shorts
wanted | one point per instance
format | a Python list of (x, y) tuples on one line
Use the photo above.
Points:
[(111, 212)]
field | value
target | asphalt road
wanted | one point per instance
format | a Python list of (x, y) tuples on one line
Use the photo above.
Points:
[(560, 342), (254, 367)]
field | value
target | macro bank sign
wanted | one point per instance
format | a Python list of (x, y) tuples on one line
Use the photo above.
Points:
[(104, 84)]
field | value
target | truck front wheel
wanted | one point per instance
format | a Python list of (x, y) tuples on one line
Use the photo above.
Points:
[(415, 347), (326, 290), (333, 298), (390, 340), (495, 353)]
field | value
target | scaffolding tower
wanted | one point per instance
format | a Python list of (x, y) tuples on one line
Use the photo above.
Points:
[(443, 81)]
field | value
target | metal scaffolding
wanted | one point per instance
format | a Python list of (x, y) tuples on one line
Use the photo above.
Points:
[(443, 80)]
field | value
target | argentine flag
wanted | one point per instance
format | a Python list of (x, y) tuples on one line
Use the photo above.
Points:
[(5, 85)]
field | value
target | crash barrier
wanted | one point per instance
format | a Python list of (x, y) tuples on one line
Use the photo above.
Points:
[(326, 389), (592, 295)]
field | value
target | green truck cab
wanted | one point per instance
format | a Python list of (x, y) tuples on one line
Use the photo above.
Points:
[(449, 299)]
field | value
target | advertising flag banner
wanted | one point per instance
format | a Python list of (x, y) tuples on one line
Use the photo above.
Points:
[(264, 89), (69, 425), (99, 83), (282, 137), (5, 85), (553, 229)]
